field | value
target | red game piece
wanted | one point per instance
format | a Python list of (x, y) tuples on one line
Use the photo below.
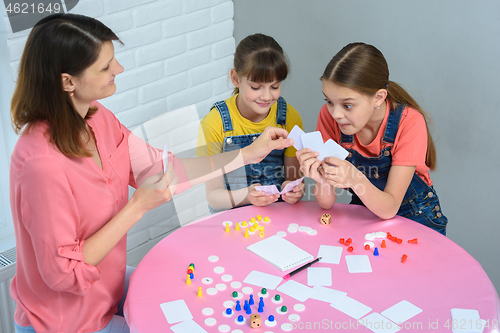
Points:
[(383, 244), (367, 247), (413, 241), (350, 249), (348, 242), (190, 271), (389, 235), (403, 259), (399, 240), (341, 241)]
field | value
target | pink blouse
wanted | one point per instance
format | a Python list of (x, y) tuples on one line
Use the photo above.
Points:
[(57, 203)]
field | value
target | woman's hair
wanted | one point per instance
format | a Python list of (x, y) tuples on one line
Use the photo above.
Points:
[(260, 59), (363, 68), (59, 43)]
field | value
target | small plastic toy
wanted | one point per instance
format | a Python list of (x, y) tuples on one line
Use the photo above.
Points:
[(403, 259), (191, 275), (251, 301), (413, 241), (375, 252), (284, 309), (229, 311), (244, 223), (255, 321), (367, 247), (259, 217), (271, 318), (277, 297), (240, 318), (350, 249), (245, 306), (249, 310), (188, 279), (266, 219), (238, 306), (383, 244), (261, 234), (263, 291), (237, 227), (200, 293), (348, 242), (341, 241), (247, 235), (326, 219), (227, 228), (235, 294)]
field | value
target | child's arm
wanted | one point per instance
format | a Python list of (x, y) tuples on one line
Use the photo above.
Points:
[(385, 204), (292, 172)]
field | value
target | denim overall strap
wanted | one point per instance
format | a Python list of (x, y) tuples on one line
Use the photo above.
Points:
[(281, 112), (227, 123), (391, 129)]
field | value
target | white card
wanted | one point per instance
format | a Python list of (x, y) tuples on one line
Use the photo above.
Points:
[(272, 189), (330, 254), (295, 134), (312, 140), (289, 187), (358, 264), (319, 276), (377, 323), (187, 326), (263, 280), (401, 312), (296, 290), (328, 295), (165, 157), (332, 148), (352, 308), (176, 311), (466, 320)]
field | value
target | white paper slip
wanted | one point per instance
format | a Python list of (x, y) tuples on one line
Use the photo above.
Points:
[(375, 322), (165, 157), (401, 312), (319, 276), (312, 140), (352, 308), (176, 311), (330, 254), (358, 264), (332, 148), (280, 252), (263, 280), (187, 326), (328, 295), (272, 189), (296, 290), (467, 321), (295, 135)]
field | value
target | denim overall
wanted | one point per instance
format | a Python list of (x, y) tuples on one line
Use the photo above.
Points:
[(270, 171), (420, 202)]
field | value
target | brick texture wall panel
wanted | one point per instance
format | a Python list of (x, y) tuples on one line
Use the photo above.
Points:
[(93, 8), (222, 12), (191, 95), (194, 5), (212, 34), (162, 50), (223, 48), (164, 88), (186, 23), (188, 60), (157, 12), (118, 22), (113, 6), (140, 36)]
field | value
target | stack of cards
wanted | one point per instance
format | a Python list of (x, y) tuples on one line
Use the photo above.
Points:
[(314, 140), (272, 189)]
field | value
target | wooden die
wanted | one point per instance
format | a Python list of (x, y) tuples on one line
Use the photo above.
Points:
[(326, 219), (255, 321)]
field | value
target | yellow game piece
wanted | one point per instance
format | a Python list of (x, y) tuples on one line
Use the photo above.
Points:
[(261, 228), (252, 220), (188, 280), (266, 219), (227, 227), (261, 234), (259, 217), (237, 227), (252, 229), (255, 225), (244, 223), (200, 293), (246, 233)]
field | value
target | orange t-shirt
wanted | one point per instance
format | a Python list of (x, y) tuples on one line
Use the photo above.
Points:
[(410, 145)]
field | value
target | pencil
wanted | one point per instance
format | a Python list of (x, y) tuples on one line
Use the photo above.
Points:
[(301, 268)]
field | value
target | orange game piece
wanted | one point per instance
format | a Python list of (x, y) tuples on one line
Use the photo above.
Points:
[(389, 235), (350, 249), (403, 259), (383, 244), (367, 247), (348, 242), (413, 241), (399, 240), (341, 241)]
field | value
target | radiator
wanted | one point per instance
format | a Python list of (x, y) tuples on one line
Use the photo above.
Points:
[(7, 304)]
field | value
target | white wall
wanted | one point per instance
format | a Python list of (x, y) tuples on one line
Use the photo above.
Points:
[(176, 53), (445, 53)]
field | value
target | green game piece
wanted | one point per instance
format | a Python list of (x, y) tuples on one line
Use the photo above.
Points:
[(277, 297), (283, 308), (263, 291), (192, 265), (235, 294)]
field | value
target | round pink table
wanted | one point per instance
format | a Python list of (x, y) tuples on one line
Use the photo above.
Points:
[(437, 276)]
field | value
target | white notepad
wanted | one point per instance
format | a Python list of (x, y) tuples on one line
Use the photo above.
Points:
[(281, 253)]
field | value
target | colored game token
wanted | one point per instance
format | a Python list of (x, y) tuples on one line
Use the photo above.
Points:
[(263, 291), (403, 259), (266, 219), (244, 223), (237, 227), (383, 244), (240, 318), (191, 275), (259, 217), (284, 309), (252, 220), (238, 306), (188, 279), (229, 311), (367, 247), (251, 301), (341, 241), (227, 228), (261, 234), (235, 294), (350, 249), (277, 297), (200, 293), (375, 252), (247, 235), (413, 241)]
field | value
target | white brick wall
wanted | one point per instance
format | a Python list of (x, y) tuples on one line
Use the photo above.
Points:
[(176, 53)]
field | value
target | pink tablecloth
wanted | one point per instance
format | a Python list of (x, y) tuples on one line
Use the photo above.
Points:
[(437, 276)]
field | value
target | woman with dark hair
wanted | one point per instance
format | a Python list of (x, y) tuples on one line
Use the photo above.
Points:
[(69, 178)]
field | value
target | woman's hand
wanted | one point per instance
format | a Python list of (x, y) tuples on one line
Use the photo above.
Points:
[(259, 198), (309, 164), (294, 195), (272, 138)]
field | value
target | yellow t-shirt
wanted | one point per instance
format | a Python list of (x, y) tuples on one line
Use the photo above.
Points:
[(211, 133)]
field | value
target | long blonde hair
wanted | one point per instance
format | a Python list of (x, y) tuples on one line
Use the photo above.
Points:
[(363, 68)]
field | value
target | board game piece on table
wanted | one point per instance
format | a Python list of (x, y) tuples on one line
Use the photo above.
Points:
[(235, 294), (188, 279), (227, 228), (237, 227), (229, 311), (252, 229), (270, 321), (259, 217), (375, 252), (246, 305), (350, 249), (255, 321), (189, 271), (244, 223), (403, 259), (251, 301), (325, 219), (348, 242), (246, 233), (413, 241), (261, 234), (341, 241), (260, 309), (200, 293), (284, 309), (191, 275), (249, 310), (261, 302), (399, 240), (240, 319), (263, 291), (238, 306), (383, 244), (367, 247), (277, 297), (266, 219)]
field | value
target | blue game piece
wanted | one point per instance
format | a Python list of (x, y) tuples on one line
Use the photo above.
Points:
[(238, 306), (261, 302), (271, 318), (240, 318), (249, 310), (191, 276), (245, 306), (251, 302), (261, 308), (375, 252), (229, 311)]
